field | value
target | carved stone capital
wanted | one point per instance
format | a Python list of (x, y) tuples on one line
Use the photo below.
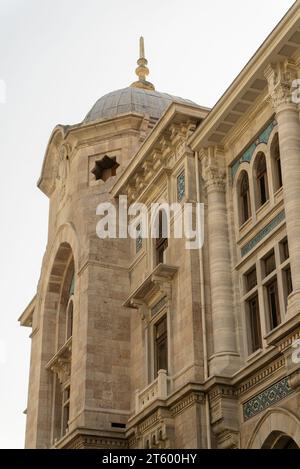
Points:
[(213, 169), (280, 77)]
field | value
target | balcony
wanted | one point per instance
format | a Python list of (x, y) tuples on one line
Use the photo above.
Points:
[(157, 390)]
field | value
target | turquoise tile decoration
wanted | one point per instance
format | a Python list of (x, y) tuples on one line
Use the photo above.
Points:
[(267, 398), (263, 233), (248, 153), (139, 239), (180, 187)]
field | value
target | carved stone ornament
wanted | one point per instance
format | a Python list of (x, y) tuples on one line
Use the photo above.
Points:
[(62, 170), (280, 77)]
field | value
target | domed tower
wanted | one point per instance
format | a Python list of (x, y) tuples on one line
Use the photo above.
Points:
[(79, 387)]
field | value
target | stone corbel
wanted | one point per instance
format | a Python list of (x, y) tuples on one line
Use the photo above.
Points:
[(62, 368), (164, 286), (224, 416), (141, 306)]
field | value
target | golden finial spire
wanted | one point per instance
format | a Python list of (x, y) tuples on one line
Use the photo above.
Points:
[(142, 70)]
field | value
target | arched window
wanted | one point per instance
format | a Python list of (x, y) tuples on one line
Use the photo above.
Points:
[(261, 180), (65, 325), (276, 163), (244, 196)]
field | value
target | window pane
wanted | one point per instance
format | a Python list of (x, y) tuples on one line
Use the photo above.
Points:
[(274, 312), (254, 325), (288, 282), (251, 280), (263, 190), (269, 263), (161, 345), (284, 250)]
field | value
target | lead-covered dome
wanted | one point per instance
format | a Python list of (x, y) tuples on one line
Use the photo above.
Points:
[(132, 99), (140, 97)]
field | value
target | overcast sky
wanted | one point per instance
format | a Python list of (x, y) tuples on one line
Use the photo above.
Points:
[(57, 57)]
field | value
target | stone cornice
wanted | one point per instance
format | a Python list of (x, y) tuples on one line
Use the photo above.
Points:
[(88, 438), (252, 71), (163, 140), (81, 135), (26, 317)]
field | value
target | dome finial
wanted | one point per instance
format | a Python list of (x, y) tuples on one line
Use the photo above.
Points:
[(142, 70)]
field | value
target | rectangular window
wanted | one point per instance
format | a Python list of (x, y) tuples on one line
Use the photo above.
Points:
[(279, 172), (273, 304), (161, 345), (65, 410), (284, 250), (180, 187), (251, 279), (255, 341), (162, 240), (288, 285), (69, 319), (269, 263)]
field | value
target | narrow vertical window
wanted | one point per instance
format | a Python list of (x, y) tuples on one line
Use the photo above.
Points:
[(273, 305), (288, 284), (65, 410), (69, 320), (284, 250), (269, 263), (162, 240), (261, 180), (275, 155), (161, 345), (180, 187), (244, 198), (254, 335)]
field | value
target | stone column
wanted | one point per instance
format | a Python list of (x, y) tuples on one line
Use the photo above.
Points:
[(225, 359), (280, 78)]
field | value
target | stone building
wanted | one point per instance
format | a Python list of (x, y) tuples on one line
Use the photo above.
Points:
[(142, 343)]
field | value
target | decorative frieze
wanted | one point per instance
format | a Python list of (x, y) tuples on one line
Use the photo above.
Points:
[(187, 402), (263, 233), (267, 398), (260, 377)]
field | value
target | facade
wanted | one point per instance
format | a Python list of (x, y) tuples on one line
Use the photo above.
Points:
[(142, 343)]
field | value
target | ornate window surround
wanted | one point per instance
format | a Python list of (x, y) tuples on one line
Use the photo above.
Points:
[(153, 299)]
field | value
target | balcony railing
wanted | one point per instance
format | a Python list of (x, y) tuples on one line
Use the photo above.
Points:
[(158, 389)]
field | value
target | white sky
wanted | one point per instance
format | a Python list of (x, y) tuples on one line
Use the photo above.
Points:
[(57, 57)]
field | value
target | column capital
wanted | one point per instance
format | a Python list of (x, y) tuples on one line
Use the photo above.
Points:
[(213, 169), (280, 77)]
